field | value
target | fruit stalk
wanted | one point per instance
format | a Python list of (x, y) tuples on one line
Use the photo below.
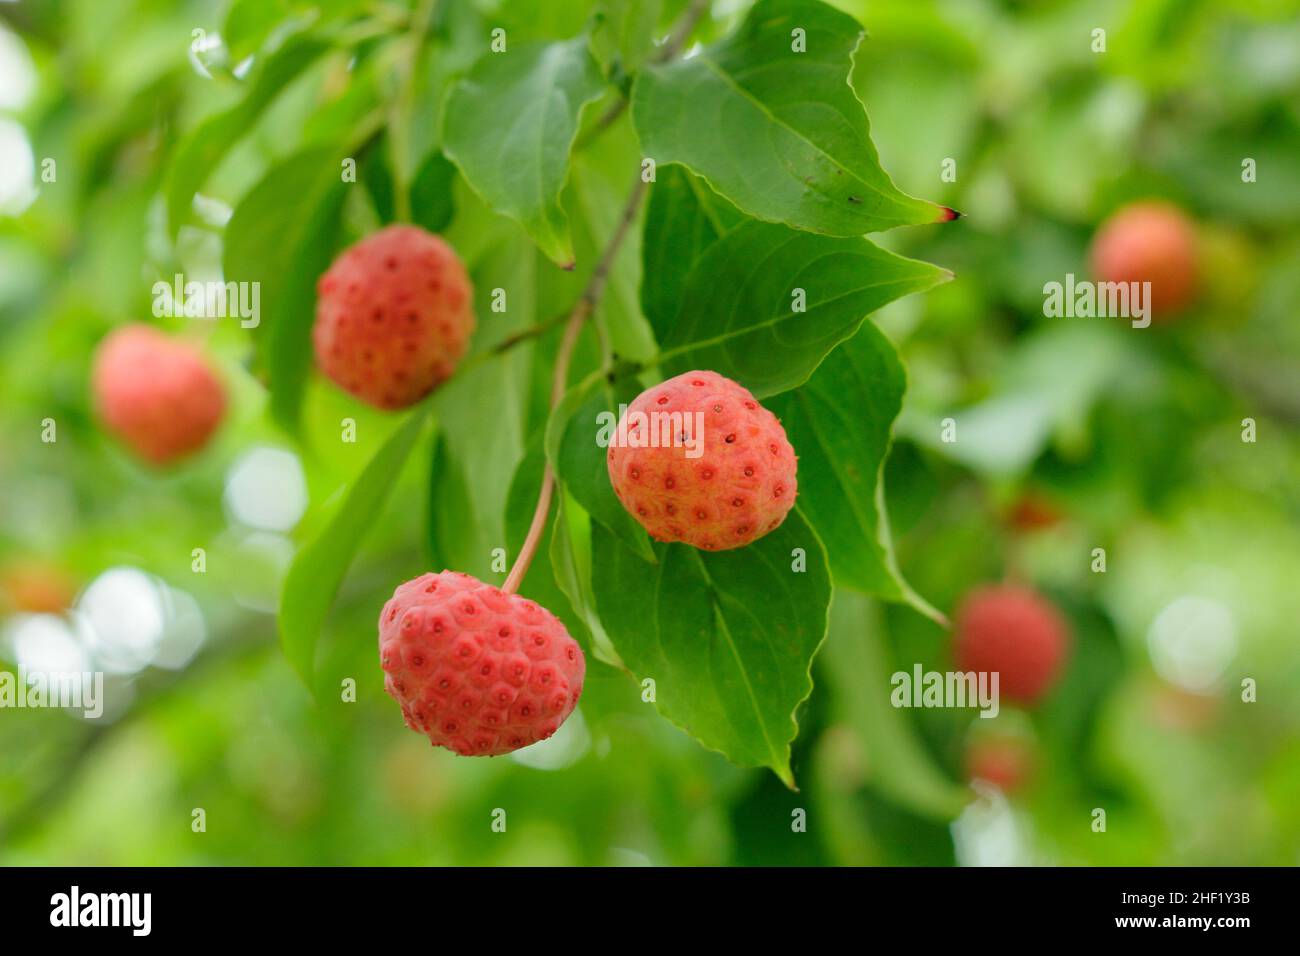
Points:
[(582, 309)]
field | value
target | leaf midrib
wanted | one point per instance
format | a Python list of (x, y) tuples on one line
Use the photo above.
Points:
[(721, 620), (677, 350)]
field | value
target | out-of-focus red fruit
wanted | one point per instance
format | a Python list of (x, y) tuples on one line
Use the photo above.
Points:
[(1033, 512), (35, 588), (1154, 242), (157, 394), (1005, 762), (1015, 632), (394, 314)]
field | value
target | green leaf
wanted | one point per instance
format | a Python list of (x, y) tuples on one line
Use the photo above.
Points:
[(248, 23), (740, 310), (319, 567), (684, 217), (727, 636), (376, 172), (202, 150), (622, 35), (509, 126), (857, 668), (282, 235), (840, 423), (457, 540), (779, 132), (488, 438), (579, 461), (1048, 383), (432, 204), (570, 557)]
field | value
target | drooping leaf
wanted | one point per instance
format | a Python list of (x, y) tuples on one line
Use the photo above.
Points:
[(840, 423), (765, 303), (204, 147), (509, 126), (728, 637), (774, 125), (319, 567), (282, 235)]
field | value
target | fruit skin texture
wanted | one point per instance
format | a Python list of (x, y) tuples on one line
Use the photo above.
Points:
[(1015, 632), (1149, 242), (394, 314), (477, 670), (157, 394), (741, 487)]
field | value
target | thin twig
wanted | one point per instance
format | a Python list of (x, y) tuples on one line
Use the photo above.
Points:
[(586, 305), (582, 310), (670, 48), (532, 332)]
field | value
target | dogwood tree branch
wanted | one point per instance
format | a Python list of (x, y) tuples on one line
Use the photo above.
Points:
[(670, 48), (582, 310), (587, 302)]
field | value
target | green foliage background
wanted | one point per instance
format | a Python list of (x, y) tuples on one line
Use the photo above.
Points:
[(1133, 436)]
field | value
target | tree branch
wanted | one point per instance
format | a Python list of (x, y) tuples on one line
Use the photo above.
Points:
[(582, 310), (671, 47)]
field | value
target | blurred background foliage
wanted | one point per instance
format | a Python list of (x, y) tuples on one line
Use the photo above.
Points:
[(1089, 435)]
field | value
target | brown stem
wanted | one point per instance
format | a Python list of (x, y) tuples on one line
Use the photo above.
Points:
[(588, 301), (582, 310), (532, 332), (672, 46)]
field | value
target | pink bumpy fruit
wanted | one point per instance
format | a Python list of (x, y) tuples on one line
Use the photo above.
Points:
[(1016, 633), (157, 394), (1149, 242), (739, 486), (477, 670), (393, 316)]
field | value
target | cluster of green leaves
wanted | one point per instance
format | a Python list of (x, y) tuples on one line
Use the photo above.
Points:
[(1134, 437), (762, 180)]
